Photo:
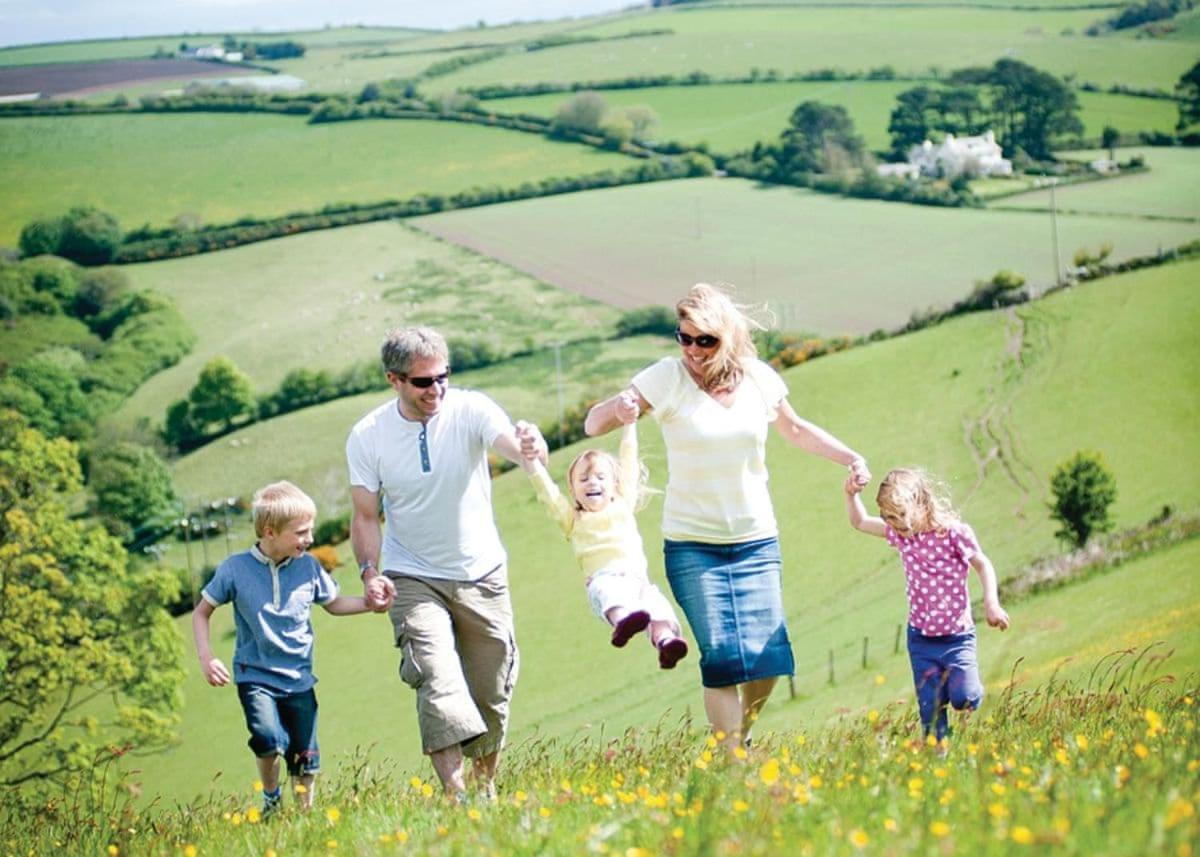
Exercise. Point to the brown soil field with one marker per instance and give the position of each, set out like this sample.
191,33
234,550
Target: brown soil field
79,77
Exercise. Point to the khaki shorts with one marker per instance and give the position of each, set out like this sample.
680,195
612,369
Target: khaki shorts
458,651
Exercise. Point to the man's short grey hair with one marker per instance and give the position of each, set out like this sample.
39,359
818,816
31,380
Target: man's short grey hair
405,345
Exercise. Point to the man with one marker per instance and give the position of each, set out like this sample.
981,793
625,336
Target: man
440,553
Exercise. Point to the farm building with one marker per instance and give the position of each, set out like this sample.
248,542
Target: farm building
975,156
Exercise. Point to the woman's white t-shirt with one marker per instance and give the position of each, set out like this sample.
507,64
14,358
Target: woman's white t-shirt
716,454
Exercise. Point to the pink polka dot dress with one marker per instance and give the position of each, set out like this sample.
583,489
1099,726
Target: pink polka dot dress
935,569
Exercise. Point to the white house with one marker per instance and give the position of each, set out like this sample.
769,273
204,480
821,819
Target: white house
975,156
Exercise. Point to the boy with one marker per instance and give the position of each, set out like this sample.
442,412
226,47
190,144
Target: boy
273,586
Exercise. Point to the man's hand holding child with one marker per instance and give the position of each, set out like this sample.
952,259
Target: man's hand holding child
627,409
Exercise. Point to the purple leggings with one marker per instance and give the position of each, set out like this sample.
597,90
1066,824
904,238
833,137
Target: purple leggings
945,670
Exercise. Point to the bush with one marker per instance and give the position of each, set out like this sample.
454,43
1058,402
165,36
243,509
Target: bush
89,236
647,319
1083,489
332,531
327,556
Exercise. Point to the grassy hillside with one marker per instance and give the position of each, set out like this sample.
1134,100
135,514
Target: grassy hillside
727,41
729,118
323,300
825,263
157,167
991,402
1168,190
307,446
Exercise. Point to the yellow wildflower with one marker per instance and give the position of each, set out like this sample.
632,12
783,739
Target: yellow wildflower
939,829
769,773
872,716
401,836
859,839
189,850
253,816
638,852
235,819
415,782
1081,742
677,833
333,814
1179,810
300,789
331,844
258,785
426,790
740,806
113,851
544,812
890,825
998,811
1022,835
879,679
1139,750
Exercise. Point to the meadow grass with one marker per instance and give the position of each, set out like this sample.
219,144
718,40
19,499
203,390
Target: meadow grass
733,117
990,402
1167,190
324,300
734,41
152,168
825,263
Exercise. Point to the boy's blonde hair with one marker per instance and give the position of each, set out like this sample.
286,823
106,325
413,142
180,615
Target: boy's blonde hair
641,490
912,501
714,312
277,505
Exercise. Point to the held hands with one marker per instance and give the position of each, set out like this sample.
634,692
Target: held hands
851,486
626,408
533,445
215,672
997,617
859,472
379,592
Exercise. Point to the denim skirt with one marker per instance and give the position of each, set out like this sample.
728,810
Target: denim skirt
733,601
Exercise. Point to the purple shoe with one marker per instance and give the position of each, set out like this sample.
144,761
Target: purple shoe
671,651
634,623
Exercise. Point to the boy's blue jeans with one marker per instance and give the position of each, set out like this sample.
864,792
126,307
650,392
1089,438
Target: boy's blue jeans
283,724
945,670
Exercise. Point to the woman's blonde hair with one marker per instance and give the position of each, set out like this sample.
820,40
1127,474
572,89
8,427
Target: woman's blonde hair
714,312
277,505
912,501
641,491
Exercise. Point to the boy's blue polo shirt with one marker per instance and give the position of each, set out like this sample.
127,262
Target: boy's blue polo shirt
271,607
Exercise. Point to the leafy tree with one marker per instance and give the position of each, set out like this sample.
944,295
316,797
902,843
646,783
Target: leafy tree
1187,90
132,486
98,292
582,112
90,659
89,236
820,136
910,122
179,429
61,407
641,119
221,396
1108,139
1032,107
1083,489
40,237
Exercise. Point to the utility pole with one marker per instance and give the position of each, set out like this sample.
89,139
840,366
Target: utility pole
557,346
1054,232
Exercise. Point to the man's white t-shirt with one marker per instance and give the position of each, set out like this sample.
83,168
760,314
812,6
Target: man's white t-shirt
435,483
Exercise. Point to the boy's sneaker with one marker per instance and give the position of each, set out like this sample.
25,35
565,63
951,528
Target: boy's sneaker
271,802
634,623
671,651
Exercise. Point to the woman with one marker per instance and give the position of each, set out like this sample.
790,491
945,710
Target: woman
714,404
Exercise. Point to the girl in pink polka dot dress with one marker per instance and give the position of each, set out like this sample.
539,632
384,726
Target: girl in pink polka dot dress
937,548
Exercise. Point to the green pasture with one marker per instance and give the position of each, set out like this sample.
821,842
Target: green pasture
990,402
791,40
323,300
732,117
825,263
220,167
137,48
1168,190
307,446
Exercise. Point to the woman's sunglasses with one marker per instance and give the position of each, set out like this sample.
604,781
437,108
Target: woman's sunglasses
424,382
704,340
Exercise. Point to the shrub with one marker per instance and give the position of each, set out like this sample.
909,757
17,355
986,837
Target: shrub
332,531
647,319
1083,489
327,556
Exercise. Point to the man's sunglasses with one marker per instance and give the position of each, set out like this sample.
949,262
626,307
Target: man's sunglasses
704,340
424,382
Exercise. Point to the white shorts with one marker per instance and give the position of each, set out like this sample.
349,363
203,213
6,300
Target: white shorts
609,588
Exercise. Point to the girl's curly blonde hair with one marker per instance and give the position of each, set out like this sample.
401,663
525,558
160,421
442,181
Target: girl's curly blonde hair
714,312
642,489
911,501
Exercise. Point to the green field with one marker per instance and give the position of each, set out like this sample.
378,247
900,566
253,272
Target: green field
826,263
790,40
1168,190
324,300
107,49
156,167
307,446
728,118
1060,396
